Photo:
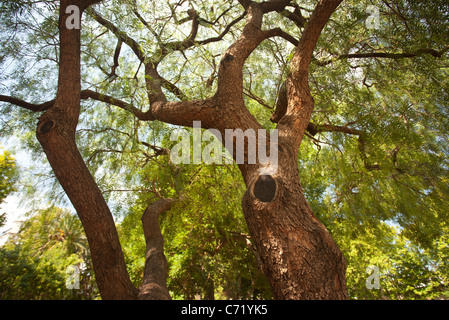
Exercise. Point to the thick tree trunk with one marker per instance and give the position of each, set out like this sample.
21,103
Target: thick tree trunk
69,167
299,257
56,134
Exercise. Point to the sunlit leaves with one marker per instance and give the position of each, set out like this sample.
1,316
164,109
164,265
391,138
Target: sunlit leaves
35,261
8,174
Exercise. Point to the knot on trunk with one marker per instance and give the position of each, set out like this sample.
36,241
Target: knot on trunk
265,188
46,126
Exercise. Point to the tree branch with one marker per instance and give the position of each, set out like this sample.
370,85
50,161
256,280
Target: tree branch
281,104
225,31
56,132
278,32
85,94
116,59
144,22
119,34
274,5
154,286
300,102
388,55
230,76
181,113
295,16
29,106
153,79
187,42
312,31
83,4
314,129
144,116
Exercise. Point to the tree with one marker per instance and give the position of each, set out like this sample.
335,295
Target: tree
346,63
38,261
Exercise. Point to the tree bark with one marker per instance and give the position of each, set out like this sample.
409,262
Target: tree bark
154,285
299,257
56,134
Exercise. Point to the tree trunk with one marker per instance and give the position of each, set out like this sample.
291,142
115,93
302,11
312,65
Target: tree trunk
56,133
299,257
154,285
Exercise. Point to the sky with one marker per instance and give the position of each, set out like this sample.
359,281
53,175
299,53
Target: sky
15,214
14,204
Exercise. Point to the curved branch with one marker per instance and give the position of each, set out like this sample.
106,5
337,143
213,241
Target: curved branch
135,47
154,81
312,31
144,116
184,113
187,42
278,32
296,16
83,4
225,31
154,286
181,113
230,73
85,94
173,89
26,105
388,55
116,59
294,123
361,141
274,5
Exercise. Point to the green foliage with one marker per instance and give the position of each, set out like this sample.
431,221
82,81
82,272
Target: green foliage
36,261
24,277
207,242
8,176
383,194
407,271
207,245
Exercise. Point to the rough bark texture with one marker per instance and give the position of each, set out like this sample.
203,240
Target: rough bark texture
56,133
299,257
154,286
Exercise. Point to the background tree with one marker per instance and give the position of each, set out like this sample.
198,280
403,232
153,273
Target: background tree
374,152
36,261
8,176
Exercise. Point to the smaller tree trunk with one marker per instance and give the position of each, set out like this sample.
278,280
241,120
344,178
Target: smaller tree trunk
154,286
